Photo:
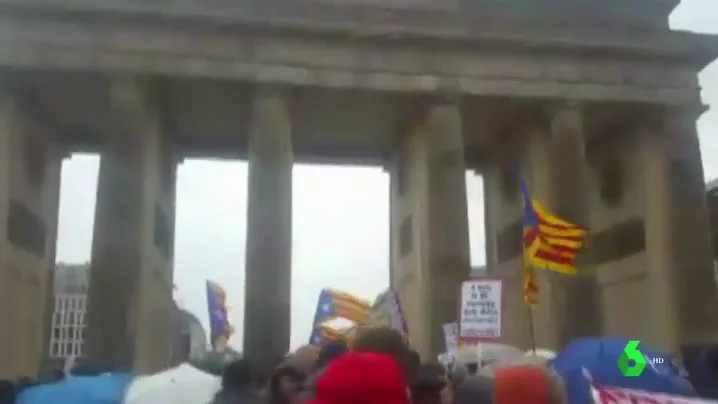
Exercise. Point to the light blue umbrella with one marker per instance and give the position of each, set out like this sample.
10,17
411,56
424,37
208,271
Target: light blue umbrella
599,356
108,388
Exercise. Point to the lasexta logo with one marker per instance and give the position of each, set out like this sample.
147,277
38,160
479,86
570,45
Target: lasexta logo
632,362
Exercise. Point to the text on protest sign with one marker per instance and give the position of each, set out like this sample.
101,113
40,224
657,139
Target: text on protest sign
480,309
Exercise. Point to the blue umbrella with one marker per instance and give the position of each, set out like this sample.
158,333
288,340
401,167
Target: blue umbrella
108,388
599,356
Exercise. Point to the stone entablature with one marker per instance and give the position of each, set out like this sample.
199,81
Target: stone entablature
52,44
495,57
420,15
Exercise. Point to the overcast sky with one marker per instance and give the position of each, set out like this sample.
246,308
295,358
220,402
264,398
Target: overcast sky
341,217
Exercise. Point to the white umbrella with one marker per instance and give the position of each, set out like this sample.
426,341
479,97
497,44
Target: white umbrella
183,384
489,353
490,370
546,354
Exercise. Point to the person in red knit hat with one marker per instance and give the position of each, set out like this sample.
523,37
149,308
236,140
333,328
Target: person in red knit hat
529,384
362,378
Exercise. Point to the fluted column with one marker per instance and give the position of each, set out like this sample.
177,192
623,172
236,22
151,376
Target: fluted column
570,201
678,238
489,222
430,231
267,307
448,256
133,233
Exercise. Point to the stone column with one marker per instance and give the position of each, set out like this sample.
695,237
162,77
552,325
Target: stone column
489,222
52,212
392,230
682,284
570,201
30,164
504,210
133,234
267,307
8,123
448,260
431,232
407,187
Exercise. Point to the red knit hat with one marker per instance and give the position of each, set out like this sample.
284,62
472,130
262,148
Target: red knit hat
362,378
521,385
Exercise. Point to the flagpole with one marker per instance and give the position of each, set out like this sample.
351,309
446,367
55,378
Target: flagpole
529,306
531,329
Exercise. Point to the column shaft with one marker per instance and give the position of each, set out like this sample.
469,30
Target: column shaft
430,231
568,173
489,223
131,260
504,211
52,209
448,259
8,127
267,307
393,202
679,236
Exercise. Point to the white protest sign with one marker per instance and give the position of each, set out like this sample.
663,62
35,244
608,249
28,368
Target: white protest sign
480,310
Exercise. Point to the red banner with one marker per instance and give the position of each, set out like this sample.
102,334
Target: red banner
614,395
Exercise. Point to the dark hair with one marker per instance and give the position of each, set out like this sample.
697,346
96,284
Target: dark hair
390,342
7,392
472,368
274,396
474,390
237,375
381,340
330,351
429,381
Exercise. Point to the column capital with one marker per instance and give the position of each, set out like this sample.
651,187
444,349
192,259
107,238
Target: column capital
567,119
389,161
680,116
270,134
128,95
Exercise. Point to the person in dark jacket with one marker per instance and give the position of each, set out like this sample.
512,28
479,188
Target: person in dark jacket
528,384
430,382
474,390
328,353
285,385
238,385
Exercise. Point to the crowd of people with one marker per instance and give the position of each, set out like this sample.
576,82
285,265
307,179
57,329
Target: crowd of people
381,368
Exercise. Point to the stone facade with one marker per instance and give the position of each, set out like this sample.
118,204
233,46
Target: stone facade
30,162
599,122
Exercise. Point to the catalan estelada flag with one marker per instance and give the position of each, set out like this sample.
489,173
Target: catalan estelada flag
220,327
549,242
333,304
